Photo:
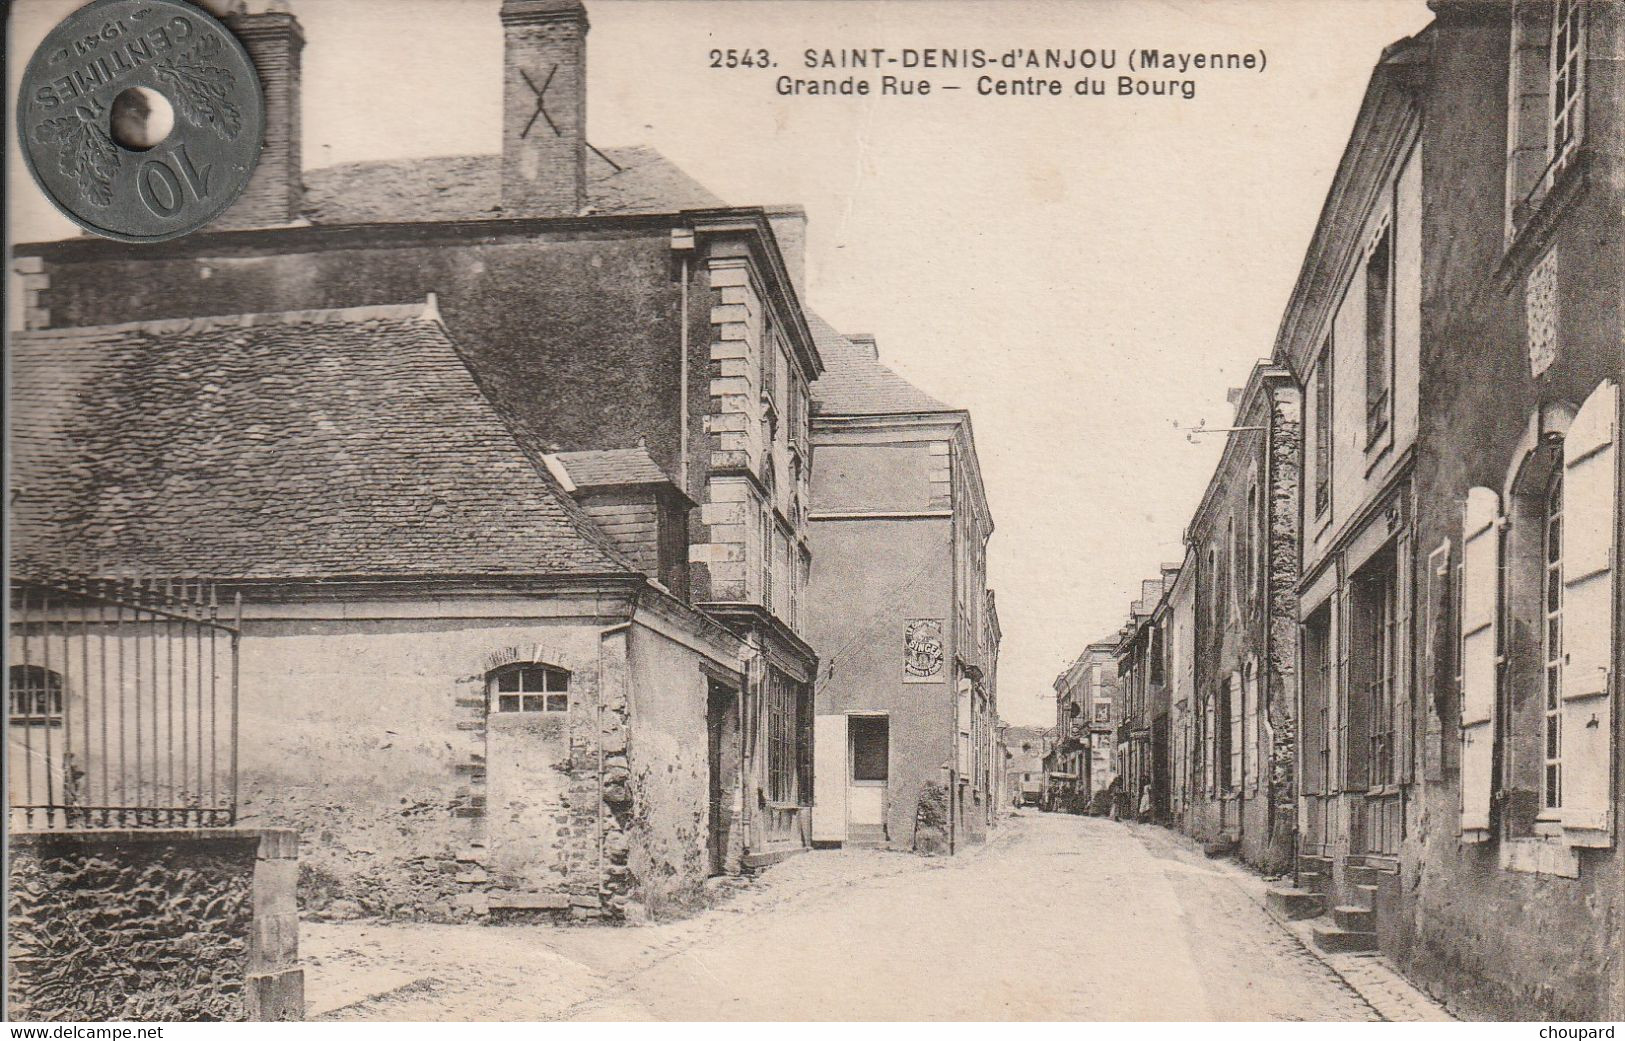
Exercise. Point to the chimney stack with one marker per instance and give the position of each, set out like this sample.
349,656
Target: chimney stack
789,224
867,341
275,193
544,108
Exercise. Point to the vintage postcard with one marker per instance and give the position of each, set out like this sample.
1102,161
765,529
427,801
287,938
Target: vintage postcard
556,510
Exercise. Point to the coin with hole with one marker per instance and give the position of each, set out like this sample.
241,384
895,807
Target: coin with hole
141,120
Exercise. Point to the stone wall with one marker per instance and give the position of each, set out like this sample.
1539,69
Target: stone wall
154,925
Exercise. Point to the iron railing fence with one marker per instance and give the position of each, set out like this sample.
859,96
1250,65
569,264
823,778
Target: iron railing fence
122,705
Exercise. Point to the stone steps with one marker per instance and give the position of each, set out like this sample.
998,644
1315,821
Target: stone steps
1294,904
1334,939
865,835
1355,919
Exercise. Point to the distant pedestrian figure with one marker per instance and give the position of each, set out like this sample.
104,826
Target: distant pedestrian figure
1145,803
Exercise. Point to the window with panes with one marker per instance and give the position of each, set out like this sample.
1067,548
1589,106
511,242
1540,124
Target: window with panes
529,688
1379,335
1373,674
35,695
1552,643
782,721
1567,75
1225,735
1317,736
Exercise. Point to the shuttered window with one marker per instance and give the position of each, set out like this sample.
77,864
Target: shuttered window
1479,584
1590,510
1438,659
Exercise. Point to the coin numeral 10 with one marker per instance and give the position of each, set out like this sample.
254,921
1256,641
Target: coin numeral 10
160,189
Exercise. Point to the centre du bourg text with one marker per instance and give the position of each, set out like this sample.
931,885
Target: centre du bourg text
1015,72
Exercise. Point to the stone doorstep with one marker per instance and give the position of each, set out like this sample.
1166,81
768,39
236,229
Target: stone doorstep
1355,919
1333,939
1294,904
1364,897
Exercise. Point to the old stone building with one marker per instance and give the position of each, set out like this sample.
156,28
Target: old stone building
1352,335
645,351
1517,620
458,688
1457,332
901,612
1242,700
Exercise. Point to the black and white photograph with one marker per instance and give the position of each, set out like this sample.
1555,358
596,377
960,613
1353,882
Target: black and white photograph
784,511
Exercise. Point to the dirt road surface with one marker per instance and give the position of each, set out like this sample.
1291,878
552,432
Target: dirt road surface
1058,918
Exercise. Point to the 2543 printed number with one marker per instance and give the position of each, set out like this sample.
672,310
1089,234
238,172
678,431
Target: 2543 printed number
742,58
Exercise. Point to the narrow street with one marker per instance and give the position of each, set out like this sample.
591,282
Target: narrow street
1059,918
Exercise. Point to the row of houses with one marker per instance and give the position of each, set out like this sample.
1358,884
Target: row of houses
580,560
1388,664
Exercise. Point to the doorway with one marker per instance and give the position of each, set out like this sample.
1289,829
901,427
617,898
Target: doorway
870,755
722,753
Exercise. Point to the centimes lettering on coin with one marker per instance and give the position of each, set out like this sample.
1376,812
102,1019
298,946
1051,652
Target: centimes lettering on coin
141,120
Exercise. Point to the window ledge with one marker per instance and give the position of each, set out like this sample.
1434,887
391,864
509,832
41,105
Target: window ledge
1539,857
1531,237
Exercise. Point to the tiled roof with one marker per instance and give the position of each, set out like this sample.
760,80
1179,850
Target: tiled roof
618,466
854,383
308,444
469,187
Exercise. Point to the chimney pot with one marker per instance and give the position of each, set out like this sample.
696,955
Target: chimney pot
544,108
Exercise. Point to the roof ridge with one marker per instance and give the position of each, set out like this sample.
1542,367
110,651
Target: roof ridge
427,310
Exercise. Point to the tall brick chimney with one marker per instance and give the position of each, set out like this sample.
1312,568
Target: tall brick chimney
274,40
544,108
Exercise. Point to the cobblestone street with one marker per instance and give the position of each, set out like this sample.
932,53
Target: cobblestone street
861,935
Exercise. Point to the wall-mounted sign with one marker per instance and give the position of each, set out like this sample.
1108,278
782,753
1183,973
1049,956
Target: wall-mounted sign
923,650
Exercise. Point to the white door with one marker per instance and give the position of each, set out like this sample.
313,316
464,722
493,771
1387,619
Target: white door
829,779
870,742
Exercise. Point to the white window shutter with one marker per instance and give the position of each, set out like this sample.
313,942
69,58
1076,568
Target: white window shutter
1480,582
1590,509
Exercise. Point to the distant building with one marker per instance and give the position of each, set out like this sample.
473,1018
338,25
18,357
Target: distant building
1085,713
906,696
1024,777
1142,737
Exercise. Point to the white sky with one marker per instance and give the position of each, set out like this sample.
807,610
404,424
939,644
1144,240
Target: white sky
1081,273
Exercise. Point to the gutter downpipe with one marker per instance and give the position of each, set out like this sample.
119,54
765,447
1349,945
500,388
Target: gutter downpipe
682,385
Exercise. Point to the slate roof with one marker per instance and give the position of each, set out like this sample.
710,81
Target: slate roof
854,383
469,187
618,466
312,444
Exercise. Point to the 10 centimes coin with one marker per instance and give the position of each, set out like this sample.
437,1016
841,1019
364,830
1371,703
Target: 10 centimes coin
141,120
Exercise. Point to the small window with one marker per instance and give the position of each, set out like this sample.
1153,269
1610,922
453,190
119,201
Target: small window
870,748
530,688
1323,430
1379,336
36,695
